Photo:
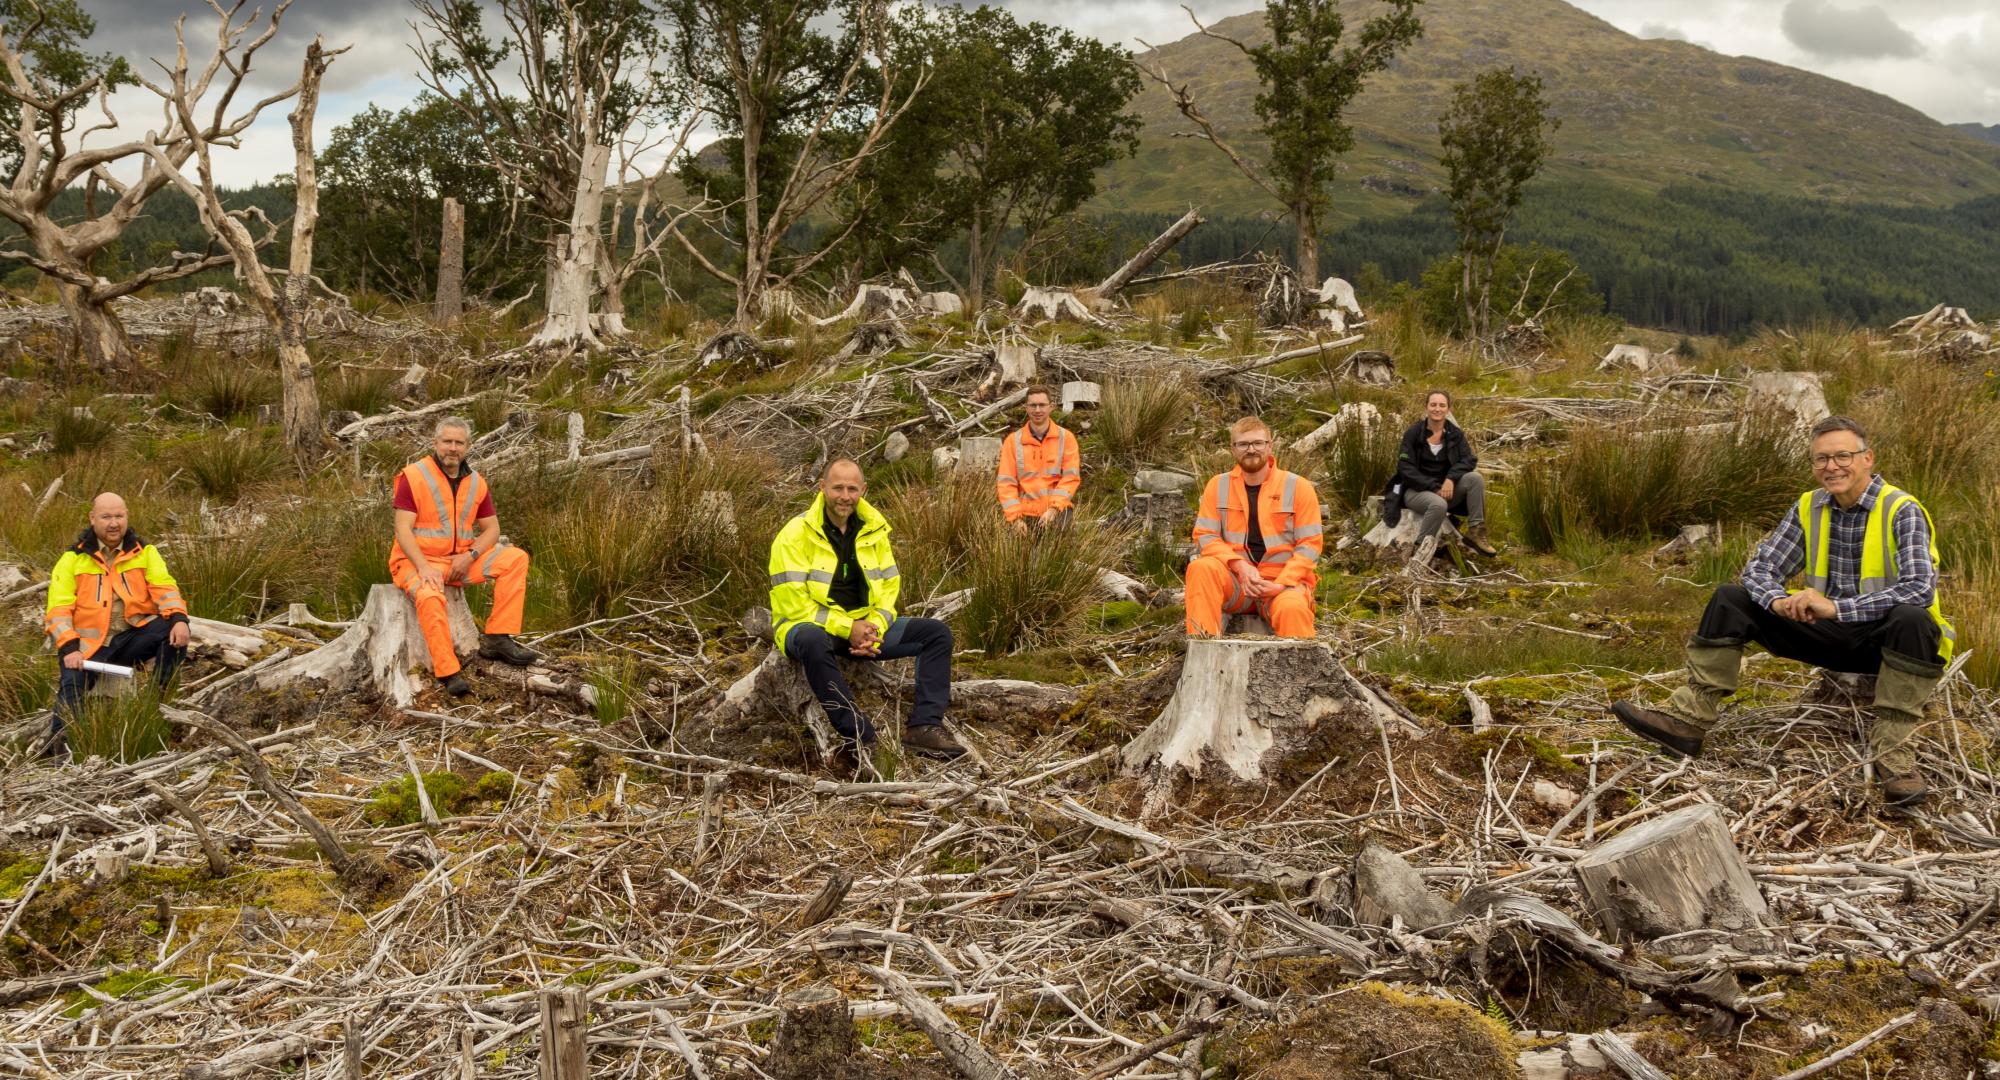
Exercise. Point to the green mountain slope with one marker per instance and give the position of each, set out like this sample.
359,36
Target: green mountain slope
1636,113
1983,132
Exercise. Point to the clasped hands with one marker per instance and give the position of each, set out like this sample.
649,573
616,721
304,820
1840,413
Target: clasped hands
865,639
1255,586
428,575
1806,606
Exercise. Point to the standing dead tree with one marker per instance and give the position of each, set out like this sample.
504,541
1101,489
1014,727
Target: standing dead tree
653,222
285,308
559,91
47,84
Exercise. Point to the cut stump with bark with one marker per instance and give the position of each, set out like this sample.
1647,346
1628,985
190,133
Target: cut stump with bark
1041,302
381,649
1670,875
815,1035
1245,707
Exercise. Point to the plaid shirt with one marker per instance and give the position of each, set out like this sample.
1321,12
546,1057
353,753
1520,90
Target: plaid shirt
1783,553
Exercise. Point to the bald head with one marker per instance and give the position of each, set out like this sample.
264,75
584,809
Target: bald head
108,519
843,486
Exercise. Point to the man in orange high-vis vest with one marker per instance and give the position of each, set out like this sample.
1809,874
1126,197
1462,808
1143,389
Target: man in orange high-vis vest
1039,466
111,600
1258,560
448,534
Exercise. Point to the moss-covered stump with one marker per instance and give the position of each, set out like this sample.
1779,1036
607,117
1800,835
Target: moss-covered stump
1375,1031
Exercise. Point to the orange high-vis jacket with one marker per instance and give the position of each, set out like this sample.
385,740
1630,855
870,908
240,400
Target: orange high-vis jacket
84,583
445,517
1037,475
1287,515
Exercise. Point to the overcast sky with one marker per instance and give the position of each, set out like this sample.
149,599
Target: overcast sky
1941,56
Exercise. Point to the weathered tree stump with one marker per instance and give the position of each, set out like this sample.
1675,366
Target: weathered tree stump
1405,529
1670,875
1244,707
1041,302
1386,887
1636,358
776,689
815,1035
1372,366
380,650
1795,393
1078,395
979,452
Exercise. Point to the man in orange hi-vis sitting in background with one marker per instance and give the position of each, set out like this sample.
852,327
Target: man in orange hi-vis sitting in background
1260,561
1039,467
448,534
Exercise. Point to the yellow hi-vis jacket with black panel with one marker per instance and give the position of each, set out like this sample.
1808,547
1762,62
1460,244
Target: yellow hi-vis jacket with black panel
84,584
802,566
1878,550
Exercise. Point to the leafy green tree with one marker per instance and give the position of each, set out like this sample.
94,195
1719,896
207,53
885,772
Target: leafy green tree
1309,78
1496,135
800,109
1010,131
383,180
1531,278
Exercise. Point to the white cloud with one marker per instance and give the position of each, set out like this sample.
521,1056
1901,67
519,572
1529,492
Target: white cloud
1819,27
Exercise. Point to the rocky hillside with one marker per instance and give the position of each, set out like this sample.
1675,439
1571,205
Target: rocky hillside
1635,112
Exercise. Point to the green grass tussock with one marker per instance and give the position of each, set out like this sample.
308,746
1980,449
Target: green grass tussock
224,464
1141,419
1035,589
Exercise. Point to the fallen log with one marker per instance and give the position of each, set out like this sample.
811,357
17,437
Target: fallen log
1100,296
1280,358
356,429
962,1051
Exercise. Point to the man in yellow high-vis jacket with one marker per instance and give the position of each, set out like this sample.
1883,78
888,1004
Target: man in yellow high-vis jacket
1869,606
111,600
834,585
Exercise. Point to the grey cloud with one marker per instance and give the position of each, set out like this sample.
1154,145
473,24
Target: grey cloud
1867,33
1657,31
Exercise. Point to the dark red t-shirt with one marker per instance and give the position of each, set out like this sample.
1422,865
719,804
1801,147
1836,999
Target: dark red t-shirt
406,501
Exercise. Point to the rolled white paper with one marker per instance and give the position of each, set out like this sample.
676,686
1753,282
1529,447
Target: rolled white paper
106,669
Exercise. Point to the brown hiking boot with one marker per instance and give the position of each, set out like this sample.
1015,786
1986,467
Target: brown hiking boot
1475,538
932,741
1660,728
1904,790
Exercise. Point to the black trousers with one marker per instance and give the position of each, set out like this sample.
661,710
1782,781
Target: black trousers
129,647
929,640
1906,638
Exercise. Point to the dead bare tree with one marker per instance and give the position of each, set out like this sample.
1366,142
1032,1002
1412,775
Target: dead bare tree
750,61
48,100
561,90
653,221
285,308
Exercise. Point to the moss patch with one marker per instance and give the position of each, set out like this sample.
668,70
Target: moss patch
1373,1030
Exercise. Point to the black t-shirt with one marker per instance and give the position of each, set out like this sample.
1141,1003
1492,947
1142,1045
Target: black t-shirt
849,588
1255,542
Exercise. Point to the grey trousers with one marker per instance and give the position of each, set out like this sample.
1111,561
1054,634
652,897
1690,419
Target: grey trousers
1468,497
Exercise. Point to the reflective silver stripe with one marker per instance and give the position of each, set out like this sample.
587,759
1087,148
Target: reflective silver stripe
1815,534
1886,506
1229,537
1009,504
1291,487
438,504
1020,452
1306,553
471,485
823,577
882,574
1210,524
1303,531
1222,497
486,564
90,633
788,577
63,622
821,615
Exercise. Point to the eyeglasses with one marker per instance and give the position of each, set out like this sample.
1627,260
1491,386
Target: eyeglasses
1841,458
1257,445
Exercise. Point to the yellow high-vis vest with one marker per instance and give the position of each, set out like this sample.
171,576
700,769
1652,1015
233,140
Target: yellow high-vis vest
802,567
1879,565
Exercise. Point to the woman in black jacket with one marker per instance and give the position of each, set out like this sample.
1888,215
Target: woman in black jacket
1436,470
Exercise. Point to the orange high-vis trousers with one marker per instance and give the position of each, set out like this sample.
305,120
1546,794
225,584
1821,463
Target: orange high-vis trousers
505,566
1212,592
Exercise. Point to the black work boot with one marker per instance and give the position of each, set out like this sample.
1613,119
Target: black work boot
455,685
1663,729
504,648
932,741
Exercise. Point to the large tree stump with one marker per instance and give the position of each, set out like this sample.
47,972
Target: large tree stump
1048,303
380,649
1797,393
1670,875
776,689
980,452
1244,707
815,1035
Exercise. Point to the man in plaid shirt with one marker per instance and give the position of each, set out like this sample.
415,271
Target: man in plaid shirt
1869,606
